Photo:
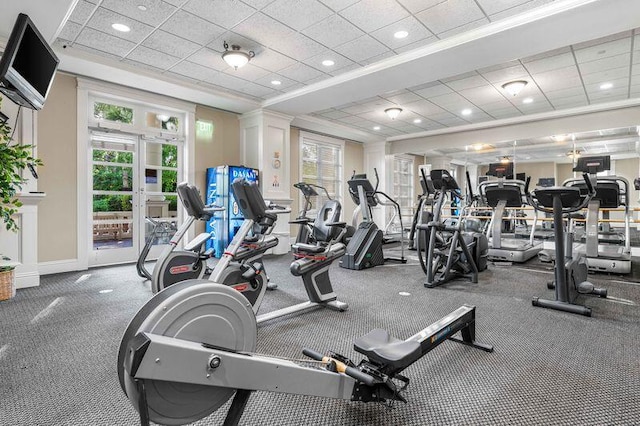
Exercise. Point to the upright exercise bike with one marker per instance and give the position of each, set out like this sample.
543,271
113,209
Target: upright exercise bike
570,271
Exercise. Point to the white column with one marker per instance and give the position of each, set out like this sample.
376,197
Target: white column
265,145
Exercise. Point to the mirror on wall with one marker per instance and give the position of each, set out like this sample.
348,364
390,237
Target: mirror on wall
549,161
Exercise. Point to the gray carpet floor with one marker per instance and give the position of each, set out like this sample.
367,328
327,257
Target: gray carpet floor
59,341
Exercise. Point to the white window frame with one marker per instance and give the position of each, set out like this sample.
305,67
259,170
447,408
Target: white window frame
396,186
322,140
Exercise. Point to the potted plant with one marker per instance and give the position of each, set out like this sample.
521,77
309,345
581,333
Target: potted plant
13,159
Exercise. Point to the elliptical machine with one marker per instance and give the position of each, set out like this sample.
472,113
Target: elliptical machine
449,253
570,271
421,215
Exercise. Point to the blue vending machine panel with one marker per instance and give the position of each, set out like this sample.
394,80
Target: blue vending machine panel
219,191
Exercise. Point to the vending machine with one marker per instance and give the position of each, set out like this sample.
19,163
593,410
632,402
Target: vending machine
219,192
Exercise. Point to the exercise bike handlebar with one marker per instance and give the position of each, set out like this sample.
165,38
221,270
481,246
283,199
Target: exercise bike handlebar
341,367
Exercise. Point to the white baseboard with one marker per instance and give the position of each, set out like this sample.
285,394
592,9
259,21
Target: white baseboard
59,266
29,279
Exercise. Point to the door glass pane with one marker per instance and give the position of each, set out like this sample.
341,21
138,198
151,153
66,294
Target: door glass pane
112,178
112,221
169,180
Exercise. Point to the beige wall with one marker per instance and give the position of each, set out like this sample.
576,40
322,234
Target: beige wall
222,148
629,169
563,172
57,147
536,171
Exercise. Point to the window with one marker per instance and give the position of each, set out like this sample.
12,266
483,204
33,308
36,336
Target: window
403,186
111,112
322,165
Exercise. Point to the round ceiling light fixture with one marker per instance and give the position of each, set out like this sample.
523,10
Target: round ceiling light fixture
235,57
514,87
393,112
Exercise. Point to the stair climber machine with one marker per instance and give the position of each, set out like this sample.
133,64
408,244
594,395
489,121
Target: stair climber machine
500,195
444,250
570,271
175,265
191,347
364,249
612,192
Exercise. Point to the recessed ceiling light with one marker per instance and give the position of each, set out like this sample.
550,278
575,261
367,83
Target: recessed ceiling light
121,27
276,82
527,100
142,7
417,120
376,127
328,63
606,86
401,34
466,111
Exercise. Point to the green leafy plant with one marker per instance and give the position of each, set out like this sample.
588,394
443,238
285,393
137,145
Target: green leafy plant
5,268
13,159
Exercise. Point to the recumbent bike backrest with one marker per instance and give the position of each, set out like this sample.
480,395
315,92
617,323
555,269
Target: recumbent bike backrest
251,203
328,213
192,202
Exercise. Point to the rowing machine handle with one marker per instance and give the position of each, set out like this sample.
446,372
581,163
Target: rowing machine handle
587,180
341,367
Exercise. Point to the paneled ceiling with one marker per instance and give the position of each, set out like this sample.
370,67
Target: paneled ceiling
456,56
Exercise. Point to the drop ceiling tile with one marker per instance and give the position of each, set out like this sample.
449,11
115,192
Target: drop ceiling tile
491,7
335,114
104,42
300,72
152,57
595,92
227,81
416,44
257,4
333,31
449,15
416,31
181,78
192,27
249,72
298,14
478,117
142,66
410,128
70,31
523,7
549,63
81,12
562,78
431,89
351,119
225,13
157,10
505,113
285,83
604,76
378,58
466,83
498,106
423,108
498,67
605,64
415,6
610,96
554,95
451,101
369,15
170,44
345,69
258,90
618,84
452,121
464,28
570,101
193,70
339,61
635,79
92,50
359,108
103,18
482,95
536,107
172,2
338,5
402,98
602,40
516,72
208,58
271,60
362,48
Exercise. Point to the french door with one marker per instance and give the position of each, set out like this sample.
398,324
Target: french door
133,195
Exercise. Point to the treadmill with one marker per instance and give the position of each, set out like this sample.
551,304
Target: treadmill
501,195
611,193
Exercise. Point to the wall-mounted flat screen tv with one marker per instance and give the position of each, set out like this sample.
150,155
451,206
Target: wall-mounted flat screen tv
28,65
